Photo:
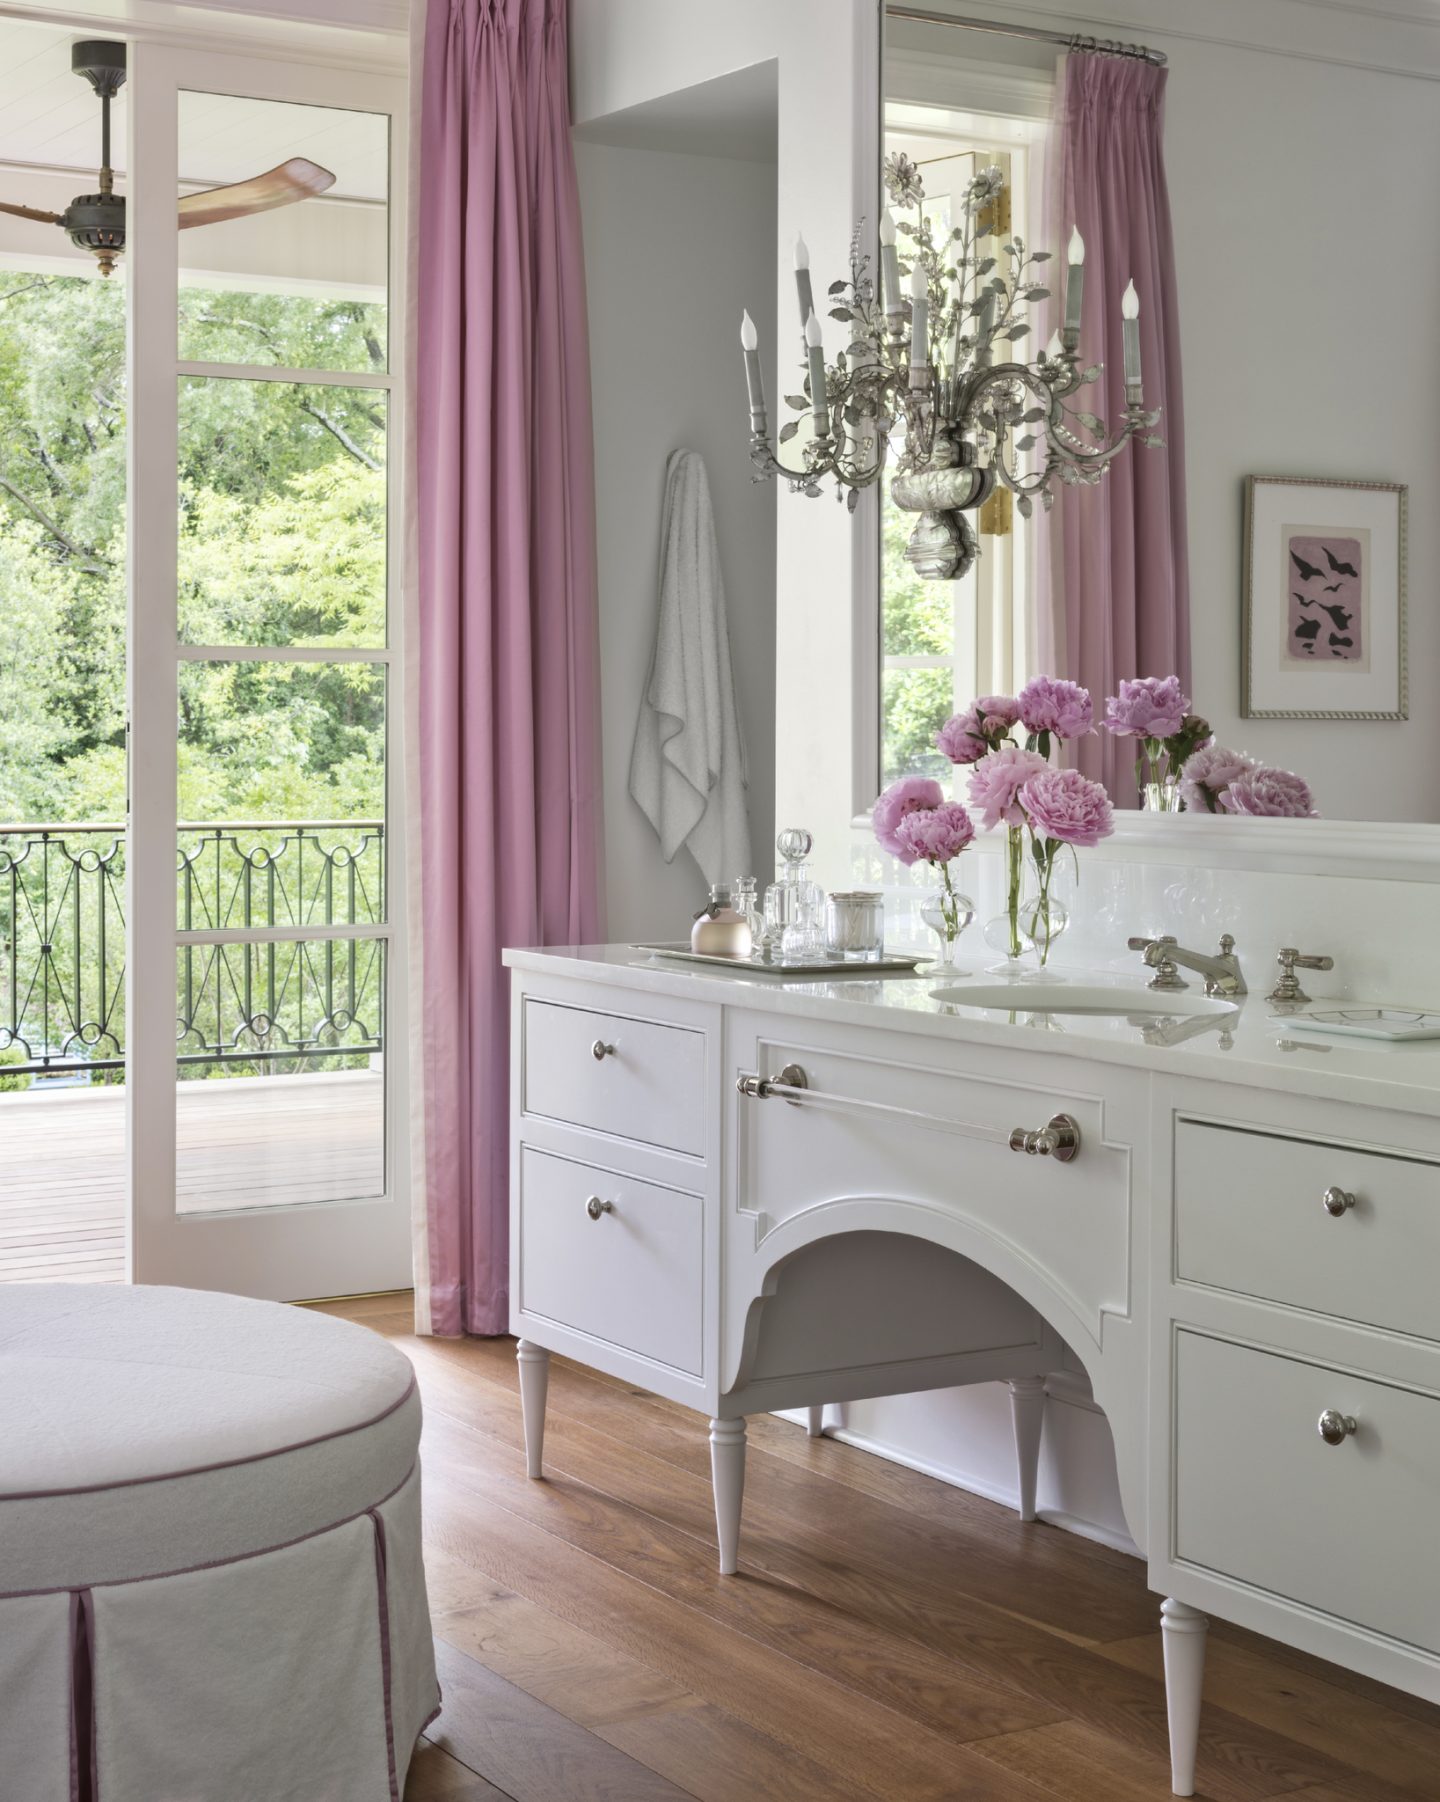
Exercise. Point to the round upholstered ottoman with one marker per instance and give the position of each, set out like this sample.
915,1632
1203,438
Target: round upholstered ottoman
210,1578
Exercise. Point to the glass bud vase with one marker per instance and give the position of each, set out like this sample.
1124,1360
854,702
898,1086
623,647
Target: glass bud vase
1042,920
947,913
1006,932
1162,797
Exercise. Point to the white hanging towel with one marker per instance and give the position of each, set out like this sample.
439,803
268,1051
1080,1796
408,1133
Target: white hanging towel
687,771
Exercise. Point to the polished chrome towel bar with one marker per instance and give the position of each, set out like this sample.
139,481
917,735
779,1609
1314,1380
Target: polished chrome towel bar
1058,1138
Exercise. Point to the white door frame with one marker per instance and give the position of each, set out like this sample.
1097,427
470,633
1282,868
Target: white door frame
281,1252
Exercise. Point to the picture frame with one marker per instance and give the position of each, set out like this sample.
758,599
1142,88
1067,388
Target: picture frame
1324,602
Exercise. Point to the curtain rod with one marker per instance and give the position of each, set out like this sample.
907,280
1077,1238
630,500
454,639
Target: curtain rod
1075,41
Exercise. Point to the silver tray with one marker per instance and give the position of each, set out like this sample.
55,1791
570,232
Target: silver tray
891,963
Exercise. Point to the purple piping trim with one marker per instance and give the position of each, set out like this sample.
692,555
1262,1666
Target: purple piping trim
84,1763
197,1470
186,1570
382,1596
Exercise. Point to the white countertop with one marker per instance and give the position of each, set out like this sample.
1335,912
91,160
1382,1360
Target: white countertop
1246,1047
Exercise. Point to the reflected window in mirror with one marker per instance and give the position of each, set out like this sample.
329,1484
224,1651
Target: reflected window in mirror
942,643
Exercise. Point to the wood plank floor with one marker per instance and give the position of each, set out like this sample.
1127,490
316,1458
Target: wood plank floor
240,1142
888,1638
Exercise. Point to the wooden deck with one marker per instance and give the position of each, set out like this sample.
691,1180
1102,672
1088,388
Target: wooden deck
241,1142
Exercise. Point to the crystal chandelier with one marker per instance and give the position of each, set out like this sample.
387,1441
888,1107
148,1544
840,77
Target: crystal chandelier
928,363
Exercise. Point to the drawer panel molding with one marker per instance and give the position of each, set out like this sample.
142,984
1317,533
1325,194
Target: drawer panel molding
628,1077
1323,1227
1314,1484
610,1256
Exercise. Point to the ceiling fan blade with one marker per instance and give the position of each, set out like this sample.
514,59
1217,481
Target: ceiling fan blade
29,212
296,179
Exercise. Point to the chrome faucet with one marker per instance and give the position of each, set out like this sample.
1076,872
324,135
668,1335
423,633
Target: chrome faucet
1223,979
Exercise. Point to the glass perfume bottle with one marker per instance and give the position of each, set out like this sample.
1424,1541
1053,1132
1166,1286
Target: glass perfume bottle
719,929
746,903
795,904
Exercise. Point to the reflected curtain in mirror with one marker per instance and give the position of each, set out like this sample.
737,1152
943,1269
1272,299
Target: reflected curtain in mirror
1112,574
502,654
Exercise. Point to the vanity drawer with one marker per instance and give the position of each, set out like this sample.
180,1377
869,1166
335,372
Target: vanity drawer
936,1140
1348,1529
1251,1217
638,1079
607,1255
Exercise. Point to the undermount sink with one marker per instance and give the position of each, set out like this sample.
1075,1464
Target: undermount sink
1081,998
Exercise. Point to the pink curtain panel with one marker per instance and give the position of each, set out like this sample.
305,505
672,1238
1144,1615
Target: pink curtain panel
1113,581
509,767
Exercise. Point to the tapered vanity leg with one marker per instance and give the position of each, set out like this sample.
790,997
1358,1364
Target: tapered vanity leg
815,1421
727,1473
1183,1630
534,1363
1027,1411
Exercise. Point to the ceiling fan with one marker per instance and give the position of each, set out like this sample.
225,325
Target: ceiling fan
96,222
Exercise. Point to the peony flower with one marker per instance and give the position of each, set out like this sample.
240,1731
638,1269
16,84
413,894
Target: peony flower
1064,805
966,737
1270,794
995,783
1148,707
935,834
1205,776
1051,704
909,795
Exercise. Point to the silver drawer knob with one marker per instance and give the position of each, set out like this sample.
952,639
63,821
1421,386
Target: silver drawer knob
600,1051
595,1207
1337,1201
1335,1428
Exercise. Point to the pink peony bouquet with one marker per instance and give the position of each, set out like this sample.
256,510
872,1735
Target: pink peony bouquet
1156,711
914,822
1014,785
1269,794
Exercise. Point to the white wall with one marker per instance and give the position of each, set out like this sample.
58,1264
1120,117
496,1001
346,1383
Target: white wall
675,247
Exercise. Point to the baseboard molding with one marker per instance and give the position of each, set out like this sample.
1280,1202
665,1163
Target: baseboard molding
1005,1494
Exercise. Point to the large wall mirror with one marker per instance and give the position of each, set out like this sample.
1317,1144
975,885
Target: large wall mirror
1301,618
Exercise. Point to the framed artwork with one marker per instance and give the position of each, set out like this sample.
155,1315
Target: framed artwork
1324,623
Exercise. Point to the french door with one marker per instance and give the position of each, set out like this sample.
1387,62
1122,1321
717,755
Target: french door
266,1015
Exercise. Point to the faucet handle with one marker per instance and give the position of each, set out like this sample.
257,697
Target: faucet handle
1287,991
1167,975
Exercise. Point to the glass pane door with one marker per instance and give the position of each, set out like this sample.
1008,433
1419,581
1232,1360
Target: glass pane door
267,1031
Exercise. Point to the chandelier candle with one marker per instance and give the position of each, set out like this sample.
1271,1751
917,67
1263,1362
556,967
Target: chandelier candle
815,345
890,273
919,328
1074,283
802,280
1130,320
750,341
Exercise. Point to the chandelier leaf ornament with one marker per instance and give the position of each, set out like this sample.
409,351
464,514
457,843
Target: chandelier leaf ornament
921,361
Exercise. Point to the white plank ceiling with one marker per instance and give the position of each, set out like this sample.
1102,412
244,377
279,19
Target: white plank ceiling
50,119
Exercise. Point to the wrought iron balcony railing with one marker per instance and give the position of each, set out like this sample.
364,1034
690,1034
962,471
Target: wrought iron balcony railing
274,1005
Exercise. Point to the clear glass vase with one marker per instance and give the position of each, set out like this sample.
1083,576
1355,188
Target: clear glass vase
947,913
1005,933
1162,797
1034,918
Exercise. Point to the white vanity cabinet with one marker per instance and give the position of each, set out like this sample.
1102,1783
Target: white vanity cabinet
747,1196
1296,1287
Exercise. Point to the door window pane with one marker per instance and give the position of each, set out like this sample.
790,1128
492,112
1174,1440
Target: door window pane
282,795
300,284
281,1092
282,513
